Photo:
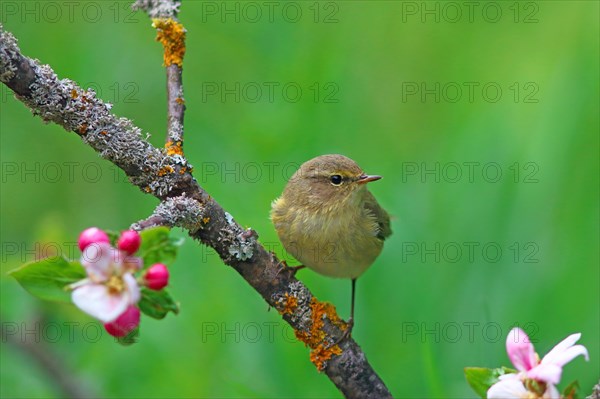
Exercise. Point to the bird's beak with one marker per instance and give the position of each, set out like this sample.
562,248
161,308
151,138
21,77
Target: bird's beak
362,179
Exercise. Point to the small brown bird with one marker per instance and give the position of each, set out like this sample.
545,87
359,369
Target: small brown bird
328,220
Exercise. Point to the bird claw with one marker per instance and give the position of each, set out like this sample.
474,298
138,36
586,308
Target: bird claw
346,334
292,270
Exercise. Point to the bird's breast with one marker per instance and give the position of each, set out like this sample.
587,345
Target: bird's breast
332,241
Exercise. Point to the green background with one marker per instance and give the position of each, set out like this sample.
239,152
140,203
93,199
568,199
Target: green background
424,310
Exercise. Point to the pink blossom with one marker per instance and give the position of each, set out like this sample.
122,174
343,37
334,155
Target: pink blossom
157,277
110,288
125,323
548,371
90,236
129,241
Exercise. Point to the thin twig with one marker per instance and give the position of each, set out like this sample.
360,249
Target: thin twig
171,33
50,362
167,177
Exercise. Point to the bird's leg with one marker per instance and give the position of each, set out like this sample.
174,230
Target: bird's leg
350,324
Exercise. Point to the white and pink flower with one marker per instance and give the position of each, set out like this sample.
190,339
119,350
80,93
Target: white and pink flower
110,287
535,379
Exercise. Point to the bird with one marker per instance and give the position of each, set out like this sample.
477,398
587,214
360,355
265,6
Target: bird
330,222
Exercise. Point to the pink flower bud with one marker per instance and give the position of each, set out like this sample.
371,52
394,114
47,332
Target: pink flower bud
124,324
129,241
91,236
157,277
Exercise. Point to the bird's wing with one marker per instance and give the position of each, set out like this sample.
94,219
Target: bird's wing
382,217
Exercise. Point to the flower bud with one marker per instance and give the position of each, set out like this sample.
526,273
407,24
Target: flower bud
157,277
124,324
91,236
129,241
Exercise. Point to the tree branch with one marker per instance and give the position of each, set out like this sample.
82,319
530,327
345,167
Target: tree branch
184,203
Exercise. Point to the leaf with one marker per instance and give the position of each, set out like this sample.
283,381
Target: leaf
113,237
157,304
481,378
48,278
570,392
131,338
158,246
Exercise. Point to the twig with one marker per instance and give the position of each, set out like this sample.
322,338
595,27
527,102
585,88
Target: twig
49,362
171,34
167,177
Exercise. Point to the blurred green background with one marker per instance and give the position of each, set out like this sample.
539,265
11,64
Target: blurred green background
494,192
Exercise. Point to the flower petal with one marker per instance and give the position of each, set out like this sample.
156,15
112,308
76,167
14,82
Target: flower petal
551,392
132,264
564,351
507,388
549,373
101,261
95,300
133,288
520,350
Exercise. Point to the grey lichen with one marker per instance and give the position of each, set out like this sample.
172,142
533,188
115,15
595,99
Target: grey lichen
175,130
242,247
182,212
7,54
302,312
158,8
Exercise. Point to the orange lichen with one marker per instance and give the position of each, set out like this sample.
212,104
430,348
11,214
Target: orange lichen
104,132
179,100
172,36
182,170
83,129
73,93
147,189
205,220
322,353
289,304
165,169
174,148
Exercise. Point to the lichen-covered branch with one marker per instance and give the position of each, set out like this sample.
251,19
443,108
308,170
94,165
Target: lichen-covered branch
168,177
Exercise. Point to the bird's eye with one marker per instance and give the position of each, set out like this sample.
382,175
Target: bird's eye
336,180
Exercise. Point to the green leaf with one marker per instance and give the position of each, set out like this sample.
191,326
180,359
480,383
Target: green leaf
48,278
131,338
570,392
113,237
158,246
481,378
157,304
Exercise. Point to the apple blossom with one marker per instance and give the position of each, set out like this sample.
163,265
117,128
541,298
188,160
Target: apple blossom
535,379
129,241
157,277
110,287
125,323
90,236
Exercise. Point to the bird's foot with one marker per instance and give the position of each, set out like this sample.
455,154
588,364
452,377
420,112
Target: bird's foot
292,270
347,332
